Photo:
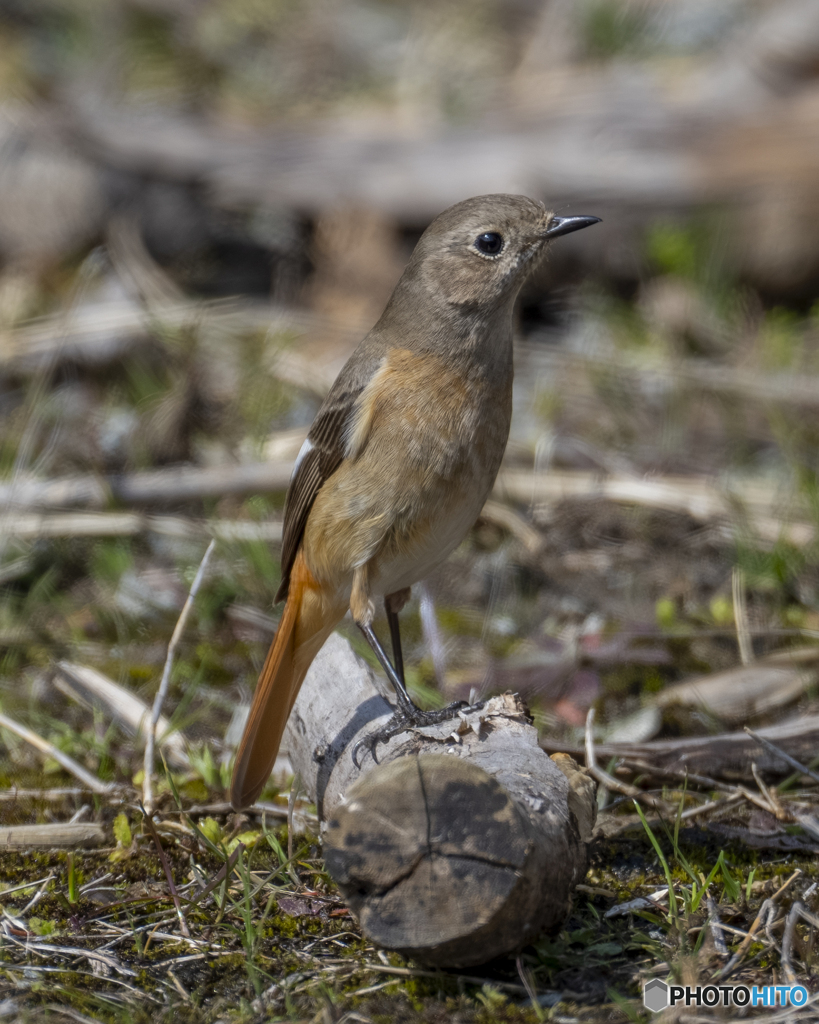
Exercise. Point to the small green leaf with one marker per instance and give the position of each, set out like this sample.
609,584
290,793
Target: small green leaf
722,610
248,838
666,612
212,830
122,830
731,884
41,927
605,948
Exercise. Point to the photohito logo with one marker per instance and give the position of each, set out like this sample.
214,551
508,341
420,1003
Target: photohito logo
657,995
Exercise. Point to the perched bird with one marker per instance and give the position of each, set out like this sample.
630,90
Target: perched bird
401,456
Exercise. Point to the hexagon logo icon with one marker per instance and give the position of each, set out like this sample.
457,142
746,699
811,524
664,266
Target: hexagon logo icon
655,995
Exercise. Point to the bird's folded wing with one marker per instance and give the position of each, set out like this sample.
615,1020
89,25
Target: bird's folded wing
320,457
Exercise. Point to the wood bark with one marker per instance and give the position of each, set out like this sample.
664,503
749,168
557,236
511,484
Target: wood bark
464,842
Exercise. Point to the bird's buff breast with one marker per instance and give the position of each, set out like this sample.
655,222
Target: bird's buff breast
423,451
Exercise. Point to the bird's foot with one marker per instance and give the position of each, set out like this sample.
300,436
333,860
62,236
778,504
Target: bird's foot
404,719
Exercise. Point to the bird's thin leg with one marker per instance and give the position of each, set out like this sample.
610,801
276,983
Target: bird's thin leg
362,610
395,633
407,713
405,701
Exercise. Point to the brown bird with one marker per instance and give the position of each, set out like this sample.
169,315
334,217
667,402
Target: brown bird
401,456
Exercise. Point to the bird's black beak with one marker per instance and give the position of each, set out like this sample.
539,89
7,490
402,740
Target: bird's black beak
565,225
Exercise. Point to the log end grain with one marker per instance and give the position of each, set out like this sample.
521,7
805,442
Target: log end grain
438,862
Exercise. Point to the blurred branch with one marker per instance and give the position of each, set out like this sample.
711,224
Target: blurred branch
183,483
697,496
21,837
730,753
126,524
648,374
747,502
91,688
49,750
101,332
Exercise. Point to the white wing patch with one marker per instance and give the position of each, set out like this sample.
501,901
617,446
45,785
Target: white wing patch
360,420
305,448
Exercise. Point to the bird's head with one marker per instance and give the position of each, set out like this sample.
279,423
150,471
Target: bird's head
479,252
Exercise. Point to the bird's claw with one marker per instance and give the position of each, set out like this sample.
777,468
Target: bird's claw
395,725
403,720
366,743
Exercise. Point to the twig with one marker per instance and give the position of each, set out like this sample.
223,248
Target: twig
746,651
707,753
45,969
147,791
715,925
763,789
86,778
66,1011
177,984
780,753
696,496
504,516
183,924
797,911
91,688
128,933
41,794
676,773
767,908
35,899
148,487
414,972
744,935
222,873
609,781
41,948
710,806
295,786
26,885
365,992
528,983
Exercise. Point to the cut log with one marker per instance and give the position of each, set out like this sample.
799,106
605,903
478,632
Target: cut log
464,842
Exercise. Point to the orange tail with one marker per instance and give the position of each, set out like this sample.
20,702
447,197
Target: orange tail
307,621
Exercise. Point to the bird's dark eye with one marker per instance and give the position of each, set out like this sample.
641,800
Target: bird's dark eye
489,243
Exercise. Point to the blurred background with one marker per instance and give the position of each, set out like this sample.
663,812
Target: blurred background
204,205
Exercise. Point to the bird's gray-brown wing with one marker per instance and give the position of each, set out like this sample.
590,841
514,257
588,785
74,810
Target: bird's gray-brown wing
319,460
323,455
325,452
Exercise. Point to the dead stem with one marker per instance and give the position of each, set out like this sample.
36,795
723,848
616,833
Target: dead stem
783,756
608,781
716,926
746,651
797,911
183,924
147,786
